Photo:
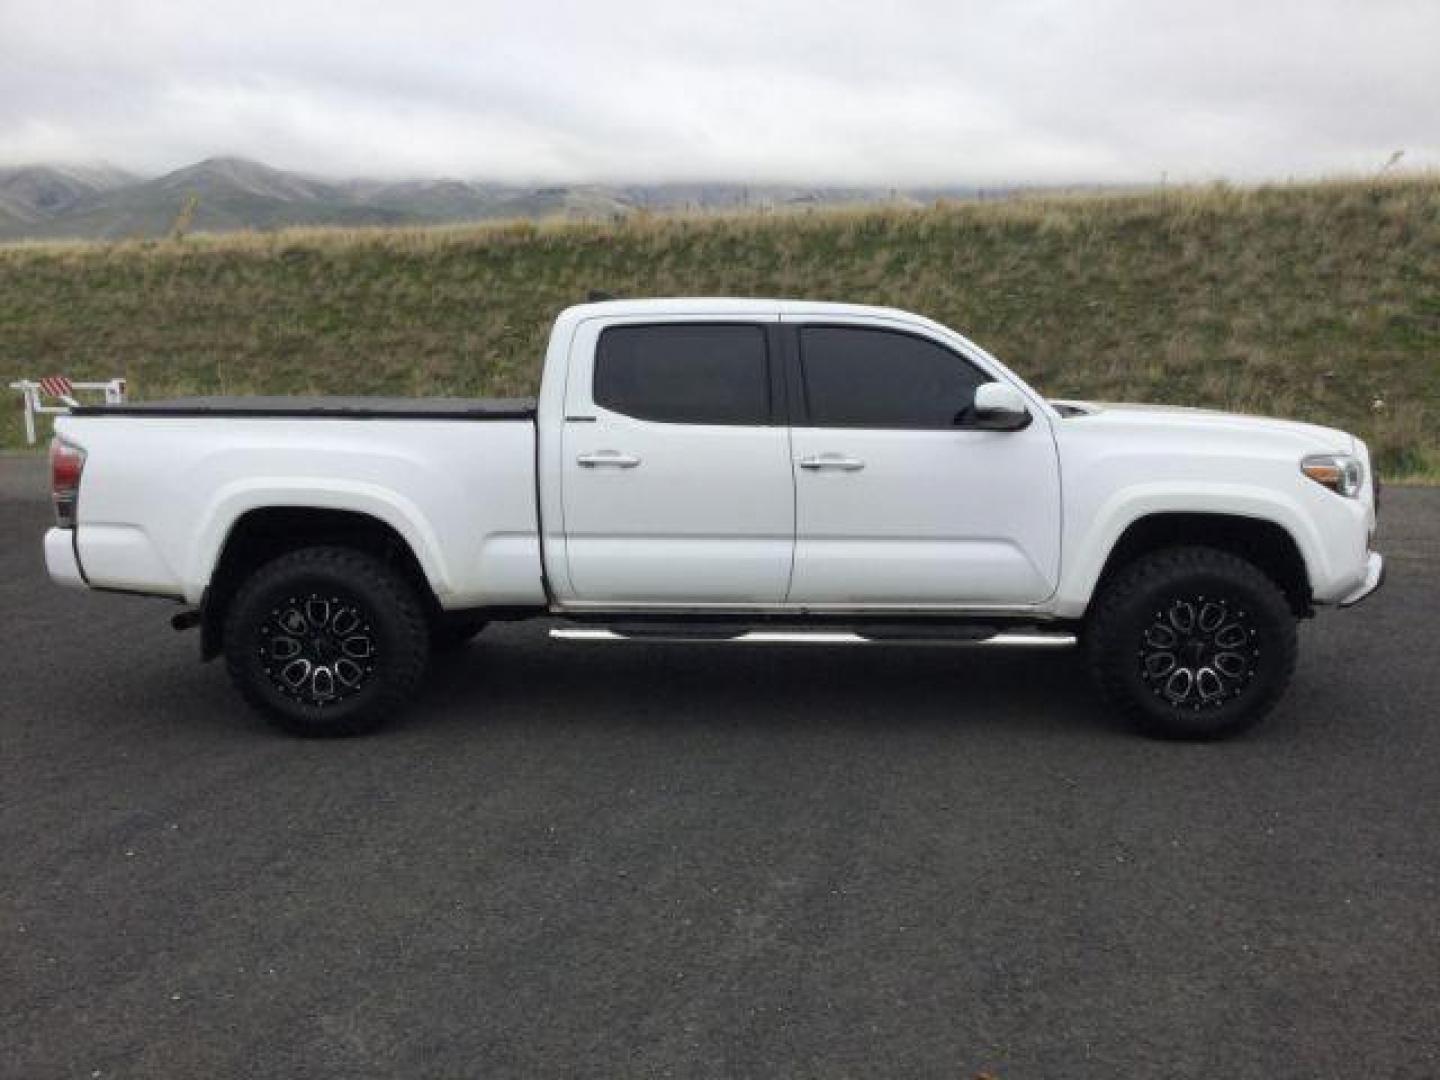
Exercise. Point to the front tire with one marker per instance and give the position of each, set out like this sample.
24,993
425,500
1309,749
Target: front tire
1192,643
326,641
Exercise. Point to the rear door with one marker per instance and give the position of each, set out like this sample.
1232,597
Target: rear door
675,469
900,500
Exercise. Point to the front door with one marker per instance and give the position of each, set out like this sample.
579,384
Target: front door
675,473
900,500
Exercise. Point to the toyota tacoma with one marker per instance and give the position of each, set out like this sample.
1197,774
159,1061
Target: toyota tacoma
724,471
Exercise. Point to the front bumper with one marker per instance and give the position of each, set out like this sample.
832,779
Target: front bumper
1374,578
60,560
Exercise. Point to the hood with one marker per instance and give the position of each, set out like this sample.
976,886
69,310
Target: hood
1126,414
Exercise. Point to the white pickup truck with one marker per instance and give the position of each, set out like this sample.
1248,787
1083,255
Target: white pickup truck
715,470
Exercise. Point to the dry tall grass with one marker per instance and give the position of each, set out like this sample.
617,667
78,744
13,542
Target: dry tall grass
1319,301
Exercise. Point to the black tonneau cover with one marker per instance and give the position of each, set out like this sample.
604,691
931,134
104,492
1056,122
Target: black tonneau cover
339,408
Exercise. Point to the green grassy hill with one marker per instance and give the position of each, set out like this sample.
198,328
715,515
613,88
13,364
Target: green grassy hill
1317,301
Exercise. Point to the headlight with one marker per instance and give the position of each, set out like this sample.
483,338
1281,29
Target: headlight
1341,473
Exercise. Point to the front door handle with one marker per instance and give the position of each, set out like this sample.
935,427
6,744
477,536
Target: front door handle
832,461
613,458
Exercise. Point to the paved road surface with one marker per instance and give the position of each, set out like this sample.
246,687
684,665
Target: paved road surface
681,861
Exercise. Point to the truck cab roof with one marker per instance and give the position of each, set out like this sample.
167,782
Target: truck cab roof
730,306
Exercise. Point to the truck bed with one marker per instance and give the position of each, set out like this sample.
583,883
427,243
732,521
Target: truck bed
348,408
166,482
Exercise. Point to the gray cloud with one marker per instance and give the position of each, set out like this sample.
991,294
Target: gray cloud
905,92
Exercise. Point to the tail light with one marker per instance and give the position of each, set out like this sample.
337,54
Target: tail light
67,462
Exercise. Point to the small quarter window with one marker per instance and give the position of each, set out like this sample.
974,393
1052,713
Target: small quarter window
685,373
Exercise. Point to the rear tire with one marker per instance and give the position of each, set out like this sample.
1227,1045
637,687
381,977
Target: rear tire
1192,643
326,641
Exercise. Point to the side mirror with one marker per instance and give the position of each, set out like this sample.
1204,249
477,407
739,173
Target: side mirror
999,407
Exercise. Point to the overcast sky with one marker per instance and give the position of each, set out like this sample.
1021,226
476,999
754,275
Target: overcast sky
910,92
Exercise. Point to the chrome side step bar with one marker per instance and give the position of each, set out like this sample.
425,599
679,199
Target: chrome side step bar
602,635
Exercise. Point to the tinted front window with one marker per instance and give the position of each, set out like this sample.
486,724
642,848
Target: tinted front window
685,373
880,379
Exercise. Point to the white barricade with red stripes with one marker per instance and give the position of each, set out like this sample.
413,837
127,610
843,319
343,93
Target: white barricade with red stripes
63,390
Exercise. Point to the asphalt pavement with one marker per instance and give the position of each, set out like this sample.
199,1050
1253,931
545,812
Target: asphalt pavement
680,860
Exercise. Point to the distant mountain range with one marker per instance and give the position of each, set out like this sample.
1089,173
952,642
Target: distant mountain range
225,194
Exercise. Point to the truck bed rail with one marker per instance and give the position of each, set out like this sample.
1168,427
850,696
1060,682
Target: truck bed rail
346,408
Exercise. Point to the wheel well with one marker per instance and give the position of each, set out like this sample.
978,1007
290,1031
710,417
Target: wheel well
1267,545
262,535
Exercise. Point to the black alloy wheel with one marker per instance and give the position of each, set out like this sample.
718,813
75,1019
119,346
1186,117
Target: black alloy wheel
327,641
1191,642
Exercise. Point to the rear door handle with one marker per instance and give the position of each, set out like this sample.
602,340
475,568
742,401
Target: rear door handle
832,461
613,458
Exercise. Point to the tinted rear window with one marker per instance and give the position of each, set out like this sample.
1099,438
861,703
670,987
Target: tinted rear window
859,377
685,373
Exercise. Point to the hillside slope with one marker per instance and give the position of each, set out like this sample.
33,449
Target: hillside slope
1315,301
32,193
230,194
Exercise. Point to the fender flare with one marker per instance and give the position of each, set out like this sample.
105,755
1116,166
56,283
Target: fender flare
1092,550
233,501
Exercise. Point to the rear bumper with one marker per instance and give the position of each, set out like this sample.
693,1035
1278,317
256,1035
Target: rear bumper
60,560
1374,578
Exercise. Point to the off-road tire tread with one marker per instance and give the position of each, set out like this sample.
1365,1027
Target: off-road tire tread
406,659
1106,652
